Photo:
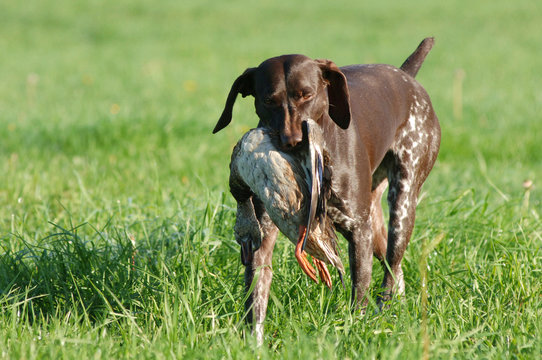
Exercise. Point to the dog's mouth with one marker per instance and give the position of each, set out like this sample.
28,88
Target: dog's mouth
300,146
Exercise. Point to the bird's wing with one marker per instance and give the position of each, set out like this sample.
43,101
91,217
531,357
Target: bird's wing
315,171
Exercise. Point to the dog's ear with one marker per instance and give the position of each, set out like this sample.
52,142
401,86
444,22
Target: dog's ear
243,85
339,98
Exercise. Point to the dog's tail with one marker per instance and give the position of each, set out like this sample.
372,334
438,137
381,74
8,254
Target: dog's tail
415,60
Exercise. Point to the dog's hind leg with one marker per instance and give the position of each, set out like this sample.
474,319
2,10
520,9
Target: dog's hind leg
402,206
414,154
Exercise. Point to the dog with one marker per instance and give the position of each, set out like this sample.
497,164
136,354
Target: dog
379,129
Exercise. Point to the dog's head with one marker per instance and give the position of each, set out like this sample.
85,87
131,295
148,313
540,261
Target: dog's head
288,90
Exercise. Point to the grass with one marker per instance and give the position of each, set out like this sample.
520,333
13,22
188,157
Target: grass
116,235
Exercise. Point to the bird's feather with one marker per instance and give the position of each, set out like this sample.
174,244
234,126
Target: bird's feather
289,184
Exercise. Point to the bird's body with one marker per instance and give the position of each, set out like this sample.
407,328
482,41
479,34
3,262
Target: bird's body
289,184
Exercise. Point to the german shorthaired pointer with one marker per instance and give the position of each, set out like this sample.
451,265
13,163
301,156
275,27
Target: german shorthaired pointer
379,128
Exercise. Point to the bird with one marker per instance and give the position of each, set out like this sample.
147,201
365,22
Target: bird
293,187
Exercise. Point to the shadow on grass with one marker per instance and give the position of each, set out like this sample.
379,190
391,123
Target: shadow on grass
99,273
65,270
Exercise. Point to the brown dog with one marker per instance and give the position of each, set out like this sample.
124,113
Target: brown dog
379,127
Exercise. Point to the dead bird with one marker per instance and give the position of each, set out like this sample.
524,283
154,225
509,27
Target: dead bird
293,187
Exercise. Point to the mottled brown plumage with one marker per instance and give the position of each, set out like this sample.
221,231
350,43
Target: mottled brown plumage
293,189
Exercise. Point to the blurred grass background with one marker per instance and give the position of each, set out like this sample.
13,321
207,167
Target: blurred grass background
115,218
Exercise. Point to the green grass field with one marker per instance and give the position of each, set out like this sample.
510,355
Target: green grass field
116,224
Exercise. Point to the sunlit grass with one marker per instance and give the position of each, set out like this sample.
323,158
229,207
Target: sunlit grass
116,226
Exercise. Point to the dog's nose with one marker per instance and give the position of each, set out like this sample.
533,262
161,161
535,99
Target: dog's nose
290,141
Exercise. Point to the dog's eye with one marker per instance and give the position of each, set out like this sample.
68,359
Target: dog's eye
307,96
268,101
302,95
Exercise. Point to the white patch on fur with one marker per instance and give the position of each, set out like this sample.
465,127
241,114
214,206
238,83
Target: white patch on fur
399,282
412,120
258,333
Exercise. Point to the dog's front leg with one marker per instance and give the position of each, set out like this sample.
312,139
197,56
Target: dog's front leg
261,271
